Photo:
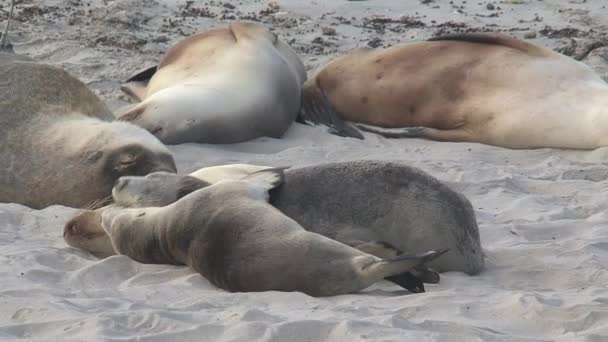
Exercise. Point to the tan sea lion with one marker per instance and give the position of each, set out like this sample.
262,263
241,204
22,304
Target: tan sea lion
485,88
58,145
382,208
225,85
231,235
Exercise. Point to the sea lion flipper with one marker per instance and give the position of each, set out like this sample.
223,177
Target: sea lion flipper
400,269
317,110
143,75
136,85
267,179
135,90
455,135
394,133
414,280
426,275
408,281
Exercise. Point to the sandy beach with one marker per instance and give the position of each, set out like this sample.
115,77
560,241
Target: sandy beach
543,214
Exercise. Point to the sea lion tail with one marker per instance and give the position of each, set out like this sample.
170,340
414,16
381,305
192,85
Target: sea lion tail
317,110
5,45
401,264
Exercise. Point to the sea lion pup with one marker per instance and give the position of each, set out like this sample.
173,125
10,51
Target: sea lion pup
383,208
485,88
230,234
222,86
58,145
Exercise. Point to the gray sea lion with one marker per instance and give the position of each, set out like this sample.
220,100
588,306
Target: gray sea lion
383,208
58,145
225,85
485,88
231,235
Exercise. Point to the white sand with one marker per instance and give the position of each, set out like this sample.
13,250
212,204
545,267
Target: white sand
542,214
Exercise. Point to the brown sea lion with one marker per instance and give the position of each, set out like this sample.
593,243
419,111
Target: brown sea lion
485,88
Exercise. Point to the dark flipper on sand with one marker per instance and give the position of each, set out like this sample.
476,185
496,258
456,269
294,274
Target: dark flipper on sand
135,86
317,110
408,281
412,281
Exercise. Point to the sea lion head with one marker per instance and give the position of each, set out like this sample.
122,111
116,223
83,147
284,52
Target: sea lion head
154,190
84,231
103,152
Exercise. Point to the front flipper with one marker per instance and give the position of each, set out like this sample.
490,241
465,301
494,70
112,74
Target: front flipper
408,281
454,135
317,110
136,86
395,133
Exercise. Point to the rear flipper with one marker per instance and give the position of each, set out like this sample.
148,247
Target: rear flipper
271,177
457,134
317,110
408,281
135,86
413,280
401,264
261,182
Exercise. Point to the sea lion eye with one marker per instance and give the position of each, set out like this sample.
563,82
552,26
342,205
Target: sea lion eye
126,162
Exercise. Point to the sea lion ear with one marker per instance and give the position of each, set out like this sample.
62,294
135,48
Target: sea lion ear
189,184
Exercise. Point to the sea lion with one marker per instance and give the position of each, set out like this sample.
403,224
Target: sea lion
222,86
383,208
58,145
485,88
230,234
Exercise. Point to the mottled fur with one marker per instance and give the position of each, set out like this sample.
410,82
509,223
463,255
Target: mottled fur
487,88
